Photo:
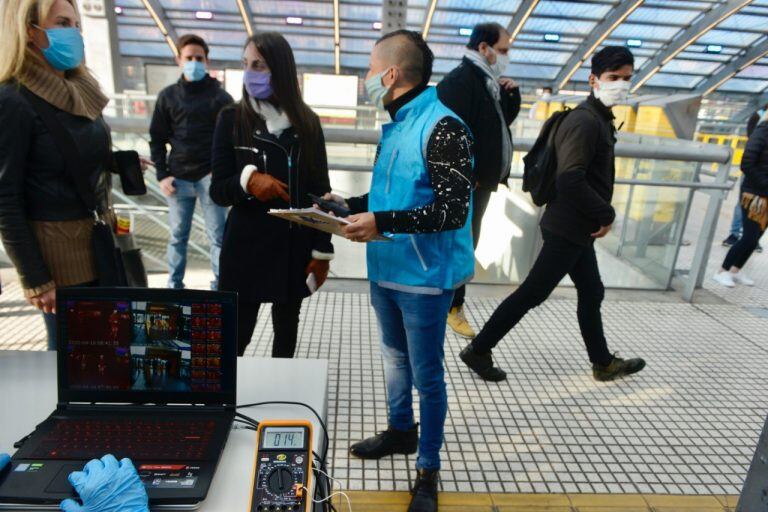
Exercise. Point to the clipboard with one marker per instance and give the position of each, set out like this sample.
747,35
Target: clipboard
318,219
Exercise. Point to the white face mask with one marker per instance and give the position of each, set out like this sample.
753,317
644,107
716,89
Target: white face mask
546,95
612,93
500,66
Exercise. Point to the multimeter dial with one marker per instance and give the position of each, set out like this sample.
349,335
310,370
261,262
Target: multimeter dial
281,481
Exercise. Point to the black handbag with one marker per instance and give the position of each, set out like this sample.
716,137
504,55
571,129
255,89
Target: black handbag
107,255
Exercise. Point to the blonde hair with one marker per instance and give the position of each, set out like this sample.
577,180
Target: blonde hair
15,17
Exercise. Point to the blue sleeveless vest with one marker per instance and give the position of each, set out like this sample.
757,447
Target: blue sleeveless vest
421,263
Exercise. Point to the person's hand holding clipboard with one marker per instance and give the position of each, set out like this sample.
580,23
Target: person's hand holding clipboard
362,226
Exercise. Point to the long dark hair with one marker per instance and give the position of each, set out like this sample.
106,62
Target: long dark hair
278,56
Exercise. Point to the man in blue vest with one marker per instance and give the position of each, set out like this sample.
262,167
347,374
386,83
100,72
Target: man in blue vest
421,196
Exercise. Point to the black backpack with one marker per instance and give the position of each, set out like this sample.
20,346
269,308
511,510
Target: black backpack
540,164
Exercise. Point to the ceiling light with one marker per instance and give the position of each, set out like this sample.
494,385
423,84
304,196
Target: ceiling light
634,43
552,38
376,25
294,20
118,10
465,31
204,15
714,48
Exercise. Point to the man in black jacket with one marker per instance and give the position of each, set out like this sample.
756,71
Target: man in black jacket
580,213
488,104
184,117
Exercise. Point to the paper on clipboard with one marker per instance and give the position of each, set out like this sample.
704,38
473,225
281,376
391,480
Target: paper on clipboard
317,219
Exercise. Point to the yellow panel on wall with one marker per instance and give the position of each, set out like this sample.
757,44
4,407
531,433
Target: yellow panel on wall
651,120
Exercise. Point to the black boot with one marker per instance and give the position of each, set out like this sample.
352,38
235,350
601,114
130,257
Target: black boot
389,442
617,369
424,492
482,364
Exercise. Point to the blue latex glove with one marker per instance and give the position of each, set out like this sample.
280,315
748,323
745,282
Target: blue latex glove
107,486
5,459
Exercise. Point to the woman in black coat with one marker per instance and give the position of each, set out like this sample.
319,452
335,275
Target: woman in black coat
754,208
269,152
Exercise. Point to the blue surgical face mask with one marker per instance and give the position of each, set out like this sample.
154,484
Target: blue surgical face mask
65,48
194,70
376,89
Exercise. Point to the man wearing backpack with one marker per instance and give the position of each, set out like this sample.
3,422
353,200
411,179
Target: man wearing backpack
579,213
488,104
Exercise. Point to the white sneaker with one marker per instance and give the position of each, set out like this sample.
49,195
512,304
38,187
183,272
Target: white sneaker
725,279
742,278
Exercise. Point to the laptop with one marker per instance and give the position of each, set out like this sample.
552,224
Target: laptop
148,374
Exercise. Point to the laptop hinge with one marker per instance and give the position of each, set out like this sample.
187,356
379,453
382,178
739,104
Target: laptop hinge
181,408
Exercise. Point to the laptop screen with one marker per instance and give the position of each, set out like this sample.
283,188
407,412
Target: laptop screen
146,345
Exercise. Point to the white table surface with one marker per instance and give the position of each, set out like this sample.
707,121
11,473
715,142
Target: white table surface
28,395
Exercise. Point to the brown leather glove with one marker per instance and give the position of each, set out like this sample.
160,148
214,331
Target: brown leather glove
320,269
266,188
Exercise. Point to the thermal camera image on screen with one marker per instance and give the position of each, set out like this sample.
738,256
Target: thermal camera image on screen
144,346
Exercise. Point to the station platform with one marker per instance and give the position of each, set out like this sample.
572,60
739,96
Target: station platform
677,437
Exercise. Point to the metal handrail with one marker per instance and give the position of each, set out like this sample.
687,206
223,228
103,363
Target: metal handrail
685,151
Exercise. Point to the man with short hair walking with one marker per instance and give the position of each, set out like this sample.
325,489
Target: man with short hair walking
580,213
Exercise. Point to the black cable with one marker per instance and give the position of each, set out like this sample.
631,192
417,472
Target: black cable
242,418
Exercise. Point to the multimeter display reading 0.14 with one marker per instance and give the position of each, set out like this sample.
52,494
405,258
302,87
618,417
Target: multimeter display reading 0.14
282,470
288,438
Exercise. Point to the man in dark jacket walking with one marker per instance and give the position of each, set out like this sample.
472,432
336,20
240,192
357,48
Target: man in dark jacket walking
488,104
580,213
185,117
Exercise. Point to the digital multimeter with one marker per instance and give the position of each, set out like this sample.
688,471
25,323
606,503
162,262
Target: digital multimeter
282,471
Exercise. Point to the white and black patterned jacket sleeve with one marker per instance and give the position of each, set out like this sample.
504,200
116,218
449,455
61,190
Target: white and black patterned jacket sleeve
449,163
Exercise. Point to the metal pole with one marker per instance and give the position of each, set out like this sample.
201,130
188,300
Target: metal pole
706,236
684,222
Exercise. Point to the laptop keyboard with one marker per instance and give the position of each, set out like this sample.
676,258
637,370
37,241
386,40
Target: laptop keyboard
138,439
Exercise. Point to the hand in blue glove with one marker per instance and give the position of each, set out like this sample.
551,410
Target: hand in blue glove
5,459
107,486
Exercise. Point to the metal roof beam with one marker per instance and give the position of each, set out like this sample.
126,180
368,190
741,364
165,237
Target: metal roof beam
524,12
247,14
428,14
599,34
730,70
157,13
679,43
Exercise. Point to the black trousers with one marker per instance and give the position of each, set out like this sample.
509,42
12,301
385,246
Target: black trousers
479,205
285,322
742,250
558,258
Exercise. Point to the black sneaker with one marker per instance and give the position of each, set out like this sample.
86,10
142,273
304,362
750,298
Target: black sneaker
389,442
424,492
732,239
482,364
617,369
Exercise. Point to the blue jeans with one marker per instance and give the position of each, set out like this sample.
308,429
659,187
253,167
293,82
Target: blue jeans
737,223
181,209
412,338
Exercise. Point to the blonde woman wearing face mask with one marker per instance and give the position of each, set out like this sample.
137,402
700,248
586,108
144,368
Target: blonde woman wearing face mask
44,224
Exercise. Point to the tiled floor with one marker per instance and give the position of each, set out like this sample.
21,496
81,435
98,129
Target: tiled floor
687,425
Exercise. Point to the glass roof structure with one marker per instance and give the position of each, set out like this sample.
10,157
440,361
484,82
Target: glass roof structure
701,46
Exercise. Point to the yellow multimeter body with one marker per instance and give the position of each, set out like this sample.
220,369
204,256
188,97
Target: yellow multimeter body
282,469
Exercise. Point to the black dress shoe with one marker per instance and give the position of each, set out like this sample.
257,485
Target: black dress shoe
424,492
389,442
482,364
